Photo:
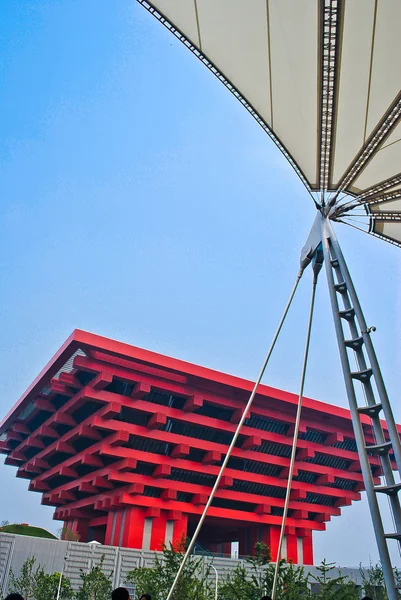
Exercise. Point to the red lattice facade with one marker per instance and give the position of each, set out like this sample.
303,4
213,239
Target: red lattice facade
126,444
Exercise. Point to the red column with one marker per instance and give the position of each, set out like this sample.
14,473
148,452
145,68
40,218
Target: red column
271,538
226,548
109,528
115,541
180,530
253,538
82,529
133,527
158,535
78,526
292,548
307,549
242,543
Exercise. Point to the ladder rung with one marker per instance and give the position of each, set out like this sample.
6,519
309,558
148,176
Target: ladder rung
341,287
393,536
379,448
334,262
391,490
362,375
371,411
355,344
347,314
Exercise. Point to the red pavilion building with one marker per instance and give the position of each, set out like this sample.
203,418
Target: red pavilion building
126,444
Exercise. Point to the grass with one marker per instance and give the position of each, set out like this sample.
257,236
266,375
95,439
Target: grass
27,530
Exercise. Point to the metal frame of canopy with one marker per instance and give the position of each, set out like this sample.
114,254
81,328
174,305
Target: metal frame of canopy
231,88
323,245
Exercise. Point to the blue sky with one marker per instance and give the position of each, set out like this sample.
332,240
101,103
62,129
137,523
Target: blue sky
140,201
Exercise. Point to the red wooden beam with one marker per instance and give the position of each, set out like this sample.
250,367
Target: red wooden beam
141,389
157,421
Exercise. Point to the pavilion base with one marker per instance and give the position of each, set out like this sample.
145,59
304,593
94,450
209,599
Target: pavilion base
135,527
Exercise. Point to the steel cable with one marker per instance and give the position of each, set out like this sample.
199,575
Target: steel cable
235,437
295,439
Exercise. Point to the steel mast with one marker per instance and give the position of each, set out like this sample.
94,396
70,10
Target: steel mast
353,337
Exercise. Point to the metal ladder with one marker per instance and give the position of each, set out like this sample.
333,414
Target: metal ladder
347,313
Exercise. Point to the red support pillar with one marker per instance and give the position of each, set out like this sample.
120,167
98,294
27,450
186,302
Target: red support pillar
81,528
180,530
253,538
158,535
134,523
292,548
117,537
109,528
226,549
307,549
242,543
271,538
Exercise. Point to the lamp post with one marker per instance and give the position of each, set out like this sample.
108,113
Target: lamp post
217,581
61,577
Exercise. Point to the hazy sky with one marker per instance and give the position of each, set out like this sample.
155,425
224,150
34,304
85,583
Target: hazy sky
140,201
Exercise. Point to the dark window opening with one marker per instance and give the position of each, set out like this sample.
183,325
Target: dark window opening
147,444
184,497
215,411
274,448
313,436
119,386
192,477
330,461
320,499
166,399
265,424
143,468
59,400
201,433
84,377
132,416
347,444
61,429
198,455
58,480
39,419
277,511
152,492
31,451
83,469
253,466
82,443
57,458
86,410
233,504
250,487
306,477
344,484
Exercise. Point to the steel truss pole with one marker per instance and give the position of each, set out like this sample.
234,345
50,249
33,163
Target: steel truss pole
244,416
377,374
340,285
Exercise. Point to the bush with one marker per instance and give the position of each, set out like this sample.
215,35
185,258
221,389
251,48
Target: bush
193,584
95,584
34,584
333,588
26,582
257,580
47,587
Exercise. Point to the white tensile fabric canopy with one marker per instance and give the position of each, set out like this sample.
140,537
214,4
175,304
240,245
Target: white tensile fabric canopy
323,78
